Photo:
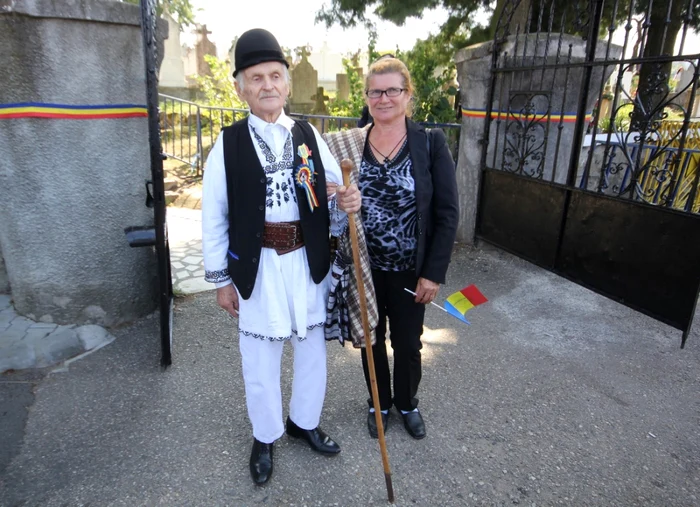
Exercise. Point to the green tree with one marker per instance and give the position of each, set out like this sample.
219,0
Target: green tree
181,10
432,76
218,89
430,62
353,106
664,22
459,29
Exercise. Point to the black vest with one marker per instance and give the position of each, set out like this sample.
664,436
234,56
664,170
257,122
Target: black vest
246,187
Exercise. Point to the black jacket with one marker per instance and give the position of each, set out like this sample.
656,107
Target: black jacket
437,200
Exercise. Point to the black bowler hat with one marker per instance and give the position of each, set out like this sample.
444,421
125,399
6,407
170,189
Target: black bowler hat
257,46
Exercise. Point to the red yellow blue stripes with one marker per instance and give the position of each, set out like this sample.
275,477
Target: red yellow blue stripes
71,112
459,303
554,117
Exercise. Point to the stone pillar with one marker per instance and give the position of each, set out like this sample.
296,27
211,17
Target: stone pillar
305,81
342,87
70,186
474,76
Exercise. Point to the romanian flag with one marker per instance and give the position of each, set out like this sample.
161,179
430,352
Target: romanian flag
459,303
71,112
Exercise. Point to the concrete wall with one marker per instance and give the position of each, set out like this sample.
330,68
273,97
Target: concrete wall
69,187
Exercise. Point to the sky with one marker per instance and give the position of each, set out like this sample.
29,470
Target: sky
292,23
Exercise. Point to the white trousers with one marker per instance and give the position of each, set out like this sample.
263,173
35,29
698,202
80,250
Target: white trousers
261,374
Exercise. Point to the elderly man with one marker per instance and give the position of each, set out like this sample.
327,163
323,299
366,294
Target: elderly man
265,222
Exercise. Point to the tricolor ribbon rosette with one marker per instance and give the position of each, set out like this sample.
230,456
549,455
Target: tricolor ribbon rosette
305,176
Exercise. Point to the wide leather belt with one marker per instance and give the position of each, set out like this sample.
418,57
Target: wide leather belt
284,237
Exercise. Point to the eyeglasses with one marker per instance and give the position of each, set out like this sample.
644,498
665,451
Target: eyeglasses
390,92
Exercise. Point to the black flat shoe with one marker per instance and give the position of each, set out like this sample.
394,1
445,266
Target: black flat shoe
372,424
316,438
261,462
413,422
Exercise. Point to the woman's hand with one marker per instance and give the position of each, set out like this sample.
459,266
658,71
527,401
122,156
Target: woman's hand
349,198
330,188
426,291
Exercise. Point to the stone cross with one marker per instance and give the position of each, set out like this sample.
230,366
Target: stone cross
320,99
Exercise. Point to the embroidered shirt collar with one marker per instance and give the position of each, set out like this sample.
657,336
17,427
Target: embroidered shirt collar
259,124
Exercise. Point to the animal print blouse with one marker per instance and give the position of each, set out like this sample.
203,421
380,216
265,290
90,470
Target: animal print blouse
389,210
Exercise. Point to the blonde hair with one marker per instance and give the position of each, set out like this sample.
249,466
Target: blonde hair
388,64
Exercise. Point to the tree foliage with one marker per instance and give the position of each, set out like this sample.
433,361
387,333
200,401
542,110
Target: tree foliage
430,61
433,77
459,29
181,10
664,21
353,106
218,89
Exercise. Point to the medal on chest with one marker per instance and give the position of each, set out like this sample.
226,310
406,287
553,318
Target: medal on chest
305,176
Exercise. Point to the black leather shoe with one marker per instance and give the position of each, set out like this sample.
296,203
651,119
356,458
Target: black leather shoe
413,422
261,462
316,438
372,424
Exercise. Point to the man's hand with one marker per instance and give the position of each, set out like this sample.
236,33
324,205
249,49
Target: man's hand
426,291
228,299
349,198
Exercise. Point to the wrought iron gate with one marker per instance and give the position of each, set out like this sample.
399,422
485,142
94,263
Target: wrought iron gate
165,287
587,172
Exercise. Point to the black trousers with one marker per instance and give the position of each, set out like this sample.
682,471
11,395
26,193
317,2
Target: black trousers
406,327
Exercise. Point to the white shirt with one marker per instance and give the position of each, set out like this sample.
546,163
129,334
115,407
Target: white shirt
284,280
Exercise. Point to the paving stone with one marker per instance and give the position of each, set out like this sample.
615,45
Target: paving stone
192,267
44,325
16,331
58,346
194,285
34,334
18,356
7,316
193,259
93,336
199,273
19,324
177,265
5,301
13,334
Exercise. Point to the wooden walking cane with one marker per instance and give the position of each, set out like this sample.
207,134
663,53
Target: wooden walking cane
346,165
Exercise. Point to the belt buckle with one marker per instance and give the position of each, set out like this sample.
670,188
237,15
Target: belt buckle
292,241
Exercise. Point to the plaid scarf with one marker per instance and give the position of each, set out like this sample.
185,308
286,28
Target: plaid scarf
344,317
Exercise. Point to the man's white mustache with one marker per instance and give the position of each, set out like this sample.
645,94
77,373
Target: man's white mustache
269,96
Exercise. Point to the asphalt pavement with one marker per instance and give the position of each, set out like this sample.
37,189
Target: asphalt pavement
553,396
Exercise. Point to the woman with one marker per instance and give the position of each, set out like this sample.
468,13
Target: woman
410,214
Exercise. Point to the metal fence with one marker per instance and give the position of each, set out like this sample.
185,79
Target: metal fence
189,130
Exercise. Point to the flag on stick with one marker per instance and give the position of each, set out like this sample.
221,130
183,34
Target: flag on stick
459,303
